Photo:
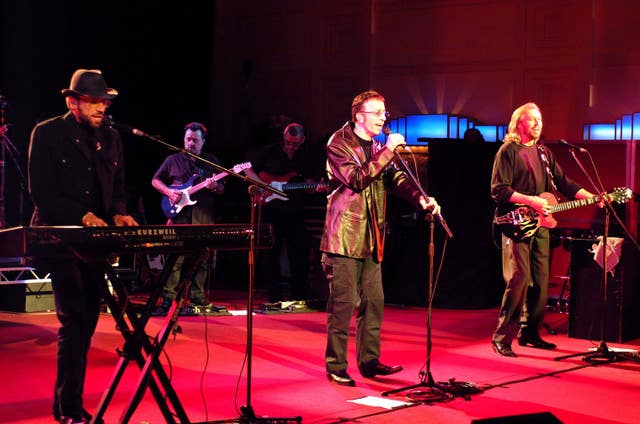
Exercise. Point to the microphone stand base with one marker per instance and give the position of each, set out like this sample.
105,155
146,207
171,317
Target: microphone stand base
430,391
248,416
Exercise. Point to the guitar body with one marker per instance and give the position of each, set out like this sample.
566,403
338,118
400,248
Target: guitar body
521,222
172,210
282,183
276,182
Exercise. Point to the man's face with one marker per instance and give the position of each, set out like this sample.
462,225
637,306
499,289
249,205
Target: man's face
372,116
89,110
193,141
530,125
291,143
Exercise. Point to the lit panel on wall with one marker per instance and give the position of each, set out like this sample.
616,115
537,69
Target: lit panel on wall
626,127
602,132
426,126
502,130
453,127
489,132
462,125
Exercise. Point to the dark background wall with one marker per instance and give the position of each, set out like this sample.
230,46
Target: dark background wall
242,67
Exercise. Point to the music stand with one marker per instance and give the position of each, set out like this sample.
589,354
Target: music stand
247,415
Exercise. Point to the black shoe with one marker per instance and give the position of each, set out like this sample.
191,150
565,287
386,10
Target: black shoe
86,416
503,349
535,341
201,302
340,377
164,307
380,369
73,420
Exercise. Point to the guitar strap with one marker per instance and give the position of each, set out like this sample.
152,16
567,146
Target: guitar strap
546,165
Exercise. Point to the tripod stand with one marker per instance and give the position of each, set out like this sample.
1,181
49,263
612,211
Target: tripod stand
6,147
247,415
435,391
602,354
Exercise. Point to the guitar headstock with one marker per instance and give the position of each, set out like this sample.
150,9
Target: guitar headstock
241,167
620,195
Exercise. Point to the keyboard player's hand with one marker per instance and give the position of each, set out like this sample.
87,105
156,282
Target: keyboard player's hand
124,221
91,220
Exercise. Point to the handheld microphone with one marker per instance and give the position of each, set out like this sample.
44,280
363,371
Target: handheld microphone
387,132
573,146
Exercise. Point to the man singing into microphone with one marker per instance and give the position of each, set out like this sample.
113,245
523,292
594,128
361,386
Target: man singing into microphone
360,171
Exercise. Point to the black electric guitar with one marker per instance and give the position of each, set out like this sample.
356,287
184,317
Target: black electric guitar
171,210
522,221
282,183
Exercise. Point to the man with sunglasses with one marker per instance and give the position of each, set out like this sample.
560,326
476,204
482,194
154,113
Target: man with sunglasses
360,171
76,177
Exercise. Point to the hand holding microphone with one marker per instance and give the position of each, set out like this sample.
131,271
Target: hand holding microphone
394,141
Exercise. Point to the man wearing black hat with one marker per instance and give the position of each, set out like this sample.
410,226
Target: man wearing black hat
76,177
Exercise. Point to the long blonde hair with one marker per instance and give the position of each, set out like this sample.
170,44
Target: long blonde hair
512,135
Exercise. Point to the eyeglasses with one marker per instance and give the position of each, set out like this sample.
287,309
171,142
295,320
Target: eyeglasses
378,113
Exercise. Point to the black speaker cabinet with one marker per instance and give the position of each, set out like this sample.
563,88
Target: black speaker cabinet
536,418
587,300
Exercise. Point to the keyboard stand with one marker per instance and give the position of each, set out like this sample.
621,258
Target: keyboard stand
139,348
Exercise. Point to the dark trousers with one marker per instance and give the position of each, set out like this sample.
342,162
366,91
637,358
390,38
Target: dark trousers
77,294
289,232
354,284
198,287
525,268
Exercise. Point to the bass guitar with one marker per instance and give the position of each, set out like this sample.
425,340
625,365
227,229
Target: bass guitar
522,222
282,183
171,210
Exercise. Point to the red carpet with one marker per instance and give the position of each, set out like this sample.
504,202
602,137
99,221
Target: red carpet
208,369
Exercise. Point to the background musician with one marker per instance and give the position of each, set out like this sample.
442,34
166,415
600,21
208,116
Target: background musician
182,170
286,161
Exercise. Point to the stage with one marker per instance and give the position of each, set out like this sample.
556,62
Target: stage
206,363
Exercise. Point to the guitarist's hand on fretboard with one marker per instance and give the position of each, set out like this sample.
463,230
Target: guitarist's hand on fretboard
540,204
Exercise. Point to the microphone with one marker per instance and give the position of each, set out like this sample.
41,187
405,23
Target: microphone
386,131
110,123
573,146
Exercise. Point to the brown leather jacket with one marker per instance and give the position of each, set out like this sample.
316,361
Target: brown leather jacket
358,198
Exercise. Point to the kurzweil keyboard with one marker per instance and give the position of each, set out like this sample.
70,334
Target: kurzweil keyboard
52,241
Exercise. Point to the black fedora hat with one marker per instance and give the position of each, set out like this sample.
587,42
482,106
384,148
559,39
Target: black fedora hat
89,82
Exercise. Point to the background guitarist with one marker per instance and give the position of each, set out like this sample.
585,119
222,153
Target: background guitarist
522,170
286,160
177,169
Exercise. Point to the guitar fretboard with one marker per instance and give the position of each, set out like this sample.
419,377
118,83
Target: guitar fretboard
300,186
565,206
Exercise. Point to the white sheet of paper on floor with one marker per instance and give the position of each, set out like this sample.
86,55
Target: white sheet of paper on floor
379,402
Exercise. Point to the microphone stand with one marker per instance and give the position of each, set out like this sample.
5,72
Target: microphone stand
7,147
436,391
247,414
602,354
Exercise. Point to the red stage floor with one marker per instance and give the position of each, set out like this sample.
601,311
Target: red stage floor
208,368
